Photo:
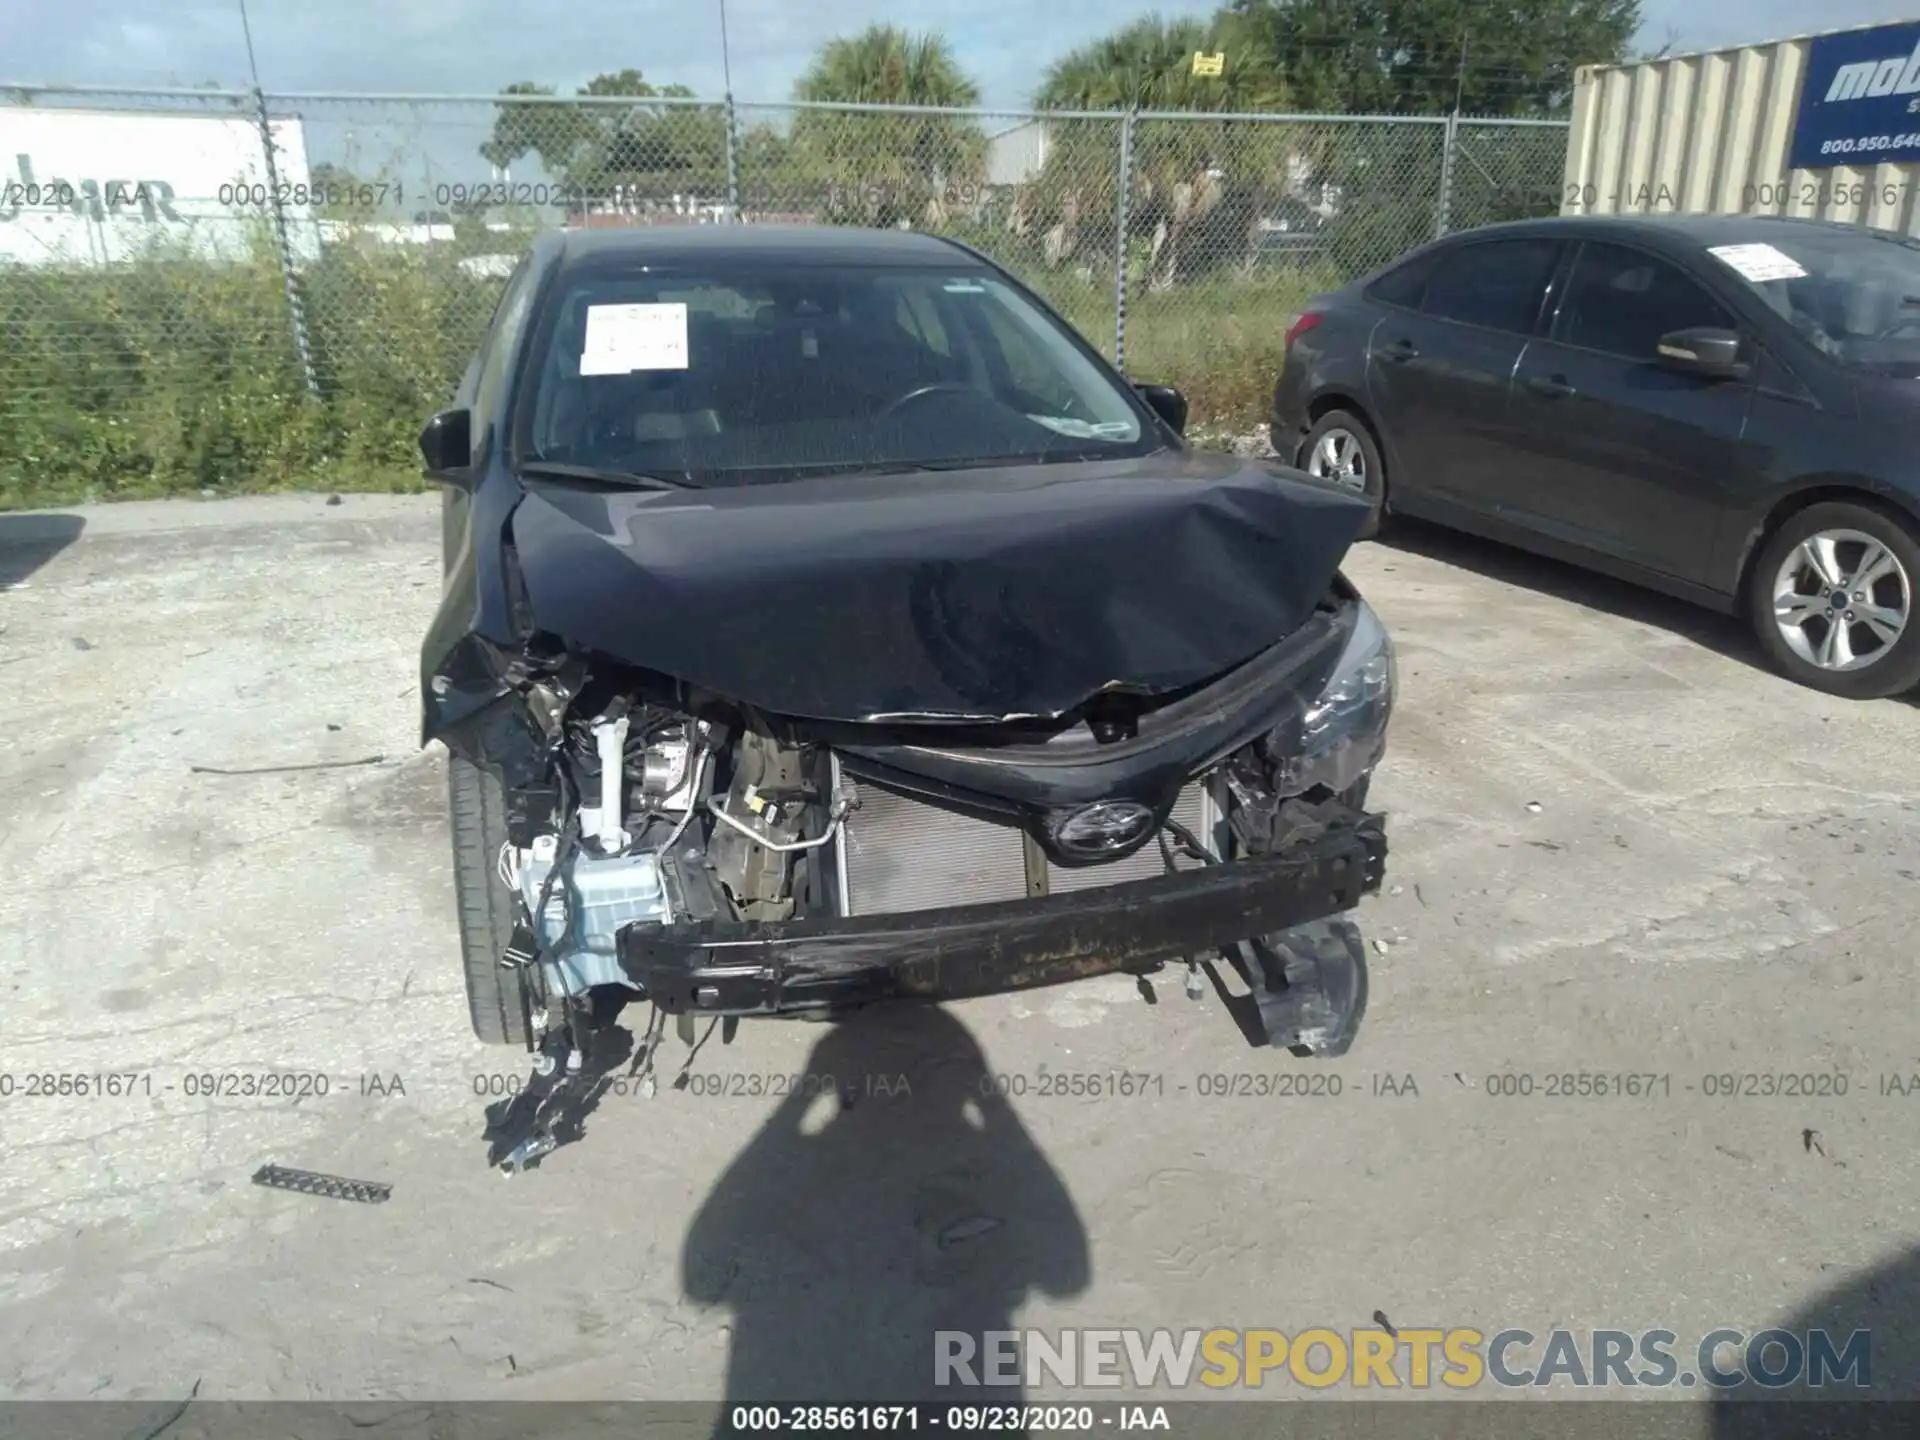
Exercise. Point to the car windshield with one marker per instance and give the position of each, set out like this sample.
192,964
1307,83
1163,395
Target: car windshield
736,376
1855,295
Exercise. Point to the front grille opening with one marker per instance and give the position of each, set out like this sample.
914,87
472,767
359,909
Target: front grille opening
904,855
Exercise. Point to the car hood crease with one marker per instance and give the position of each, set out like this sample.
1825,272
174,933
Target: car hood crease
973,596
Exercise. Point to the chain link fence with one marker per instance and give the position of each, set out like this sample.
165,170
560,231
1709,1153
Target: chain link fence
1505,170
278,289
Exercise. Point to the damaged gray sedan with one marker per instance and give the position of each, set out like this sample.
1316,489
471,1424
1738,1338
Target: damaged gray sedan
826,623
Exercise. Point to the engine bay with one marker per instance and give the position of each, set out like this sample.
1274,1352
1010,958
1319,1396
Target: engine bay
669,846
657,816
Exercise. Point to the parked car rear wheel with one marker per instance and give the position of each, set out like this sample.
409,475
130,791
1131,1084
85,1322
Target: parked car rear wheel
1340,449
1832,600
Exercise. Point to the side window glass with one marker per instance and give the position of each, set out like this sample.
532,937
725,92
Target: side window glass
1403,285
1497,284
1622,301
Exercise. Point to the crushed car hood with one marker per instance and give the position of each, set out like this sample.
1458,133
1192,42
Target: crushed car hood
979,595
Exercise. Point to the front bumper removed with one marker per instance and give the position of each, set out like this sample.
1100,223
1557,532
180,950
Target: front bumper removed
1305,981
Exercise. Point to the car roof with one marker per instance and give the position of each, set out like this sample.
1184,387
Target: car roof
1686,229
791,244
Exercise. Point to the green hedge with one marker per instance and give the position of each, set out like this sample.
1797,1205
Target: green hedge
173,376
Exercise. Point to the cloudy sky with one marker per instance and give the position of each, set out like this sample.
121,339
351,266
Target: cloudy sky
480,45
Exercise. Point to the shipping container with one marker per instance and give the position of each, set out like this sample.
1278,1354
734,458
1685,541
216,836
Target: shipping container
90,187
1819,126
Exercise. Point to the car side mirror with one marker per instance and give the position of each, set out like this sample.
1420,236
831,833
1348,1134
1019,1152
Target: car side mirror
446,446
1168,403
1703,350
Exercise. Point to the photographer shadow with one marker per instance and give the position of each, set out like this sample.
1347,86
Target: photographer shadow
893,1195
1884,1301
29,541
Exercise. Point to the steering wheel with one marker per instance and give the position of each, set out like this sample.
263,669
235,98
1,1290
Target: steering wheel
1905,322
921,392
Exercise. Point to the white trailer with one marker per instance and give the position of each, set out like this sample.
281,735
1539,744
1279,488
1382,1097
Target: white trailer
91,187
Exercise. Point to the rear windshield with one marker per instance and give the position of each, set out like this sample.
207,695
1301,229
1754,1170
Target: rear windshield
731,376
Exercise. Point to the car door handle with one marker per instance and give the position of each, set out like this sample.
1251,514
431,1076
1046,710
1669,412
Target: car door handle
1399,350
1554,387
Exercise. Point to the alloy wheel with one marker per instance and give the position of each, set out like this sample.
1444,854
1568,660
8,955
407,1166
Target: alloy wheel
1339,458
1841,599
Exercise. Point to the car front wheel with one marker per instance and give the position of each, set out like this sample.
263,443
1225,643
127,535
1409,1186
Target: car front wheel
1340,449
1832,600
495,1002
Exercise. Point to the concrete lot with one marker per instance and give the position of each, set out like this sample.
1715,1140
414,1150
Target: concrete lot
1618,846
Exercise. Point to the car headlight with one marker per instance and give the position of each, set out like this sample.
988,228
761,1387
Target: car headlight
1342,733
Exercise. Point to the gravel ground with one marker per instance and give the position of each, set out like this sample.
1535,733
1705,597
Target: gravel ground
1619,846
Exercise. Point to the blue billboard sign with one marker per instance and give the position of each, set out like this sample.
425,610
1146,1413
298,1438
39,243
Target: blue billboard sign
1859,100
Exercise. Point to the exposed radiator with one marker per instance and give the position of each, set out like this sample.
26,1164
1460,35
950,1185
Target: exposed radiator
904,855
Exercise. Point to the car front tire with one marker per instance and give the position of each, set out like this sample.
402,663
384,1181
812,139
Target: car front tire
1831,598
1341,450
478,808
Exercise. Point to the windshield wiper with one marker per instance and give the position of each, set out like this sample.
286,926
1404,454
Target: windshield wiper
920,467
594,474
1074,457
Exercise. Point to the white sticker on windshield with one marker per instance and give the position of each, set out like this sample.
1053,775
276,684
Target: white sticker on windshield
1066,425
964,287
1085,429
1758,262
624,338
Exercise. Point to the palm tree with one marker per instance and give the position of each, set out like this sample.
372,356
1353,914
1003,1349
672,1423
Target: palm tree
881,168
1148,65
887,65
1195,183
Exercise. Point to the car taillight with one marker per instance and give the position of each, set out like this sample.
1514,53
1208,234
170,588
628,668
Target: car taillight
1301,324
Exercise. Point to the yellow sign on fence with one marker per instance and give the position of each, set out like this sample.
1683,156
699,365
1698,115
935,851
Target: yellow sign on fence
1214,64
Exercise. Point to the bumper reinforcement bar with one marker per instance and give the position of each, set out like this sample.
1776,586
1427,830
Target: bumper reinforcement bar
800,966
